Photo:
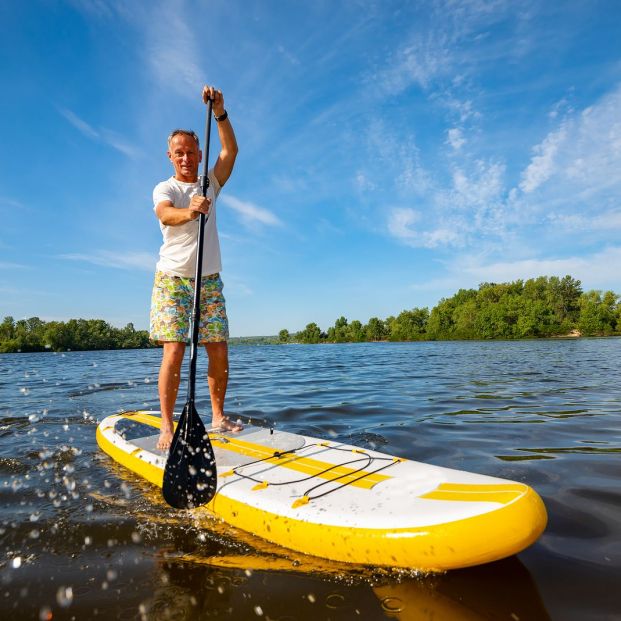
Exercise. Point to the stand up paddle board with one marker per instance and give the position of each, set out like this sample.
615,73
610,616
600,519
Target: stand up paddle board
343,503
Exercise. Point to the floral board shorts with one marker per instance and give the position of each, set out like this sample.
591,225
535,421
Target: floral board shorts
171,309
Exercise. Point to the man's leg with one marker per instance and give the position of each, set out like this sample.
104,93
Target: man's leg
168,386
218,377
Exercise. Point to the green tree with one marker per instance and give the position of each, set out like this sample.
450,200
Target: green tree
355,332
598,313
284,336
375,330
310,334
408,325
340,332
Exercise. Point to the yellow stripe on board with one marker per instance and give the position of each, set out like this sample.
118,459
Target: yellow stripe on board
314,467
465,492
306,465
145,419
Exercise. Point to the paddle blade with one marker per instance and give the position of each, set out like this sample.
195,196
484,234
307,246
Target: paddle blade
190,476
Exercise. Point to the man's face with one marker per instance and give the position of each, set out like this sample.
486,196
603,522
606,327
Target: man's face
185,157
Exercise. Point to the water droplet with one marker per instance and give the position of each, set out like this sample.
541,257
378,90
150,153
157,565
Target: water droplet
24,391
88,540
16,563
258,611
34,517
34,534
45,614
136,537
193,471
33,418
248,572
64,596
111,574
311,598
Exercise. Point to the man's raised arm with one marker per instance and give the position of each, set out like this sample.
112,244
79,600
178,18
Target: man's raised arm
228,152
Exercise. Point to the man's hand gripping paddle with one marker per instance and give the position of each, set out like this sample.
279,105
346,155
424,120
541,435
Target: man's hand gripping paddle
190,477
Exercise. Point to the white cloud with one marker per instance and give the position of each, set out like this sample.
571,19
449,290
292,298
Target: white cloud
8,265
118,142
251,213
605,221
572,184
420,62
82,126
455,138
597,270
170,49
400,222
402,225
144,261
363,182
107,136
582,156
543,165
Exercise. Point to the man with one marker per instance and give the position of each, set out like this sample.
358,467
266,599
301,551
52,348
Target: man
178,204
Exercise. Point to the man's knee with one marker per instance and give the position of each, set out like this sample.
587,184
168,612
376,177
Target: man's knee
173,354
218,354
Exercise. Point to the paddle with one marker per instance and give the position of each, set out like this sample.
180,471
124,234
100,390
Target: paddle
190,476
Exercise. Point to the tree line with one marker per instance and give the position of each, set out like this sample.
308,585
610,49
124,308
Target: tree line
538,307
34,334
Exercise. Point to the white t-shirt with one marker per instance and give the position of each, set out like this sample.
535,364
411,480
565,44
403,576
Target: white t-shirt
178,252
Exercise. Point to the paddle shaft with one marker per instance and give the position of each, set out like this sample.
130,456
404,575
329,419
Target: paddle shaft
196,309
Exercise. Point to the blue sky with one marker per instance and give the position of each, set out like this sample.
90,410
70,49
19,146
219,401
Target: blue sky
390,152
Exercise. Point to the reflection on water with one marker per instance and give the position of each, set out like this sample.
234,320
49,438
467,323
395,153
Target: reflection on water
82,538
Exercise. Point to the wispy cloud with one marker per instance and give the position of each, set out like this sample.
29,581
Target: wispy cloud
596,270
420,61
543,164
170,49
80,124
8,265
455,138
106,136
250,213
582,156
572,183
402,225
5,201
120,260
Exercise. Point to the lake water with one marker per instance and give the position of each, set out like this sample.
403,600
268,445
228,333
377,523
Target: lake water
80,538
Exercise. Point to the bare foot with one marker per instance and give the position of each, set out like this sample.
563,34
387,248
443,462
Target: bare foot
165,439
226,424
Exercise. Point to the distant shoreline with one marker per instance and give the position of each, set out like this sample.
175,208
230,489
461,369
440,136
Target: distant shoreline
270,341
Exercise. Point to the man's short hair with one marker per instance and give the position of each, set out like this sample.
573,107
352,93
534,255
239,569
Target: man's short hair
183,132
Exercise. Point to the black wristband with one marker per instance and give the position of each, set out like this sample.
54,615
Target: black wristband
222,117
